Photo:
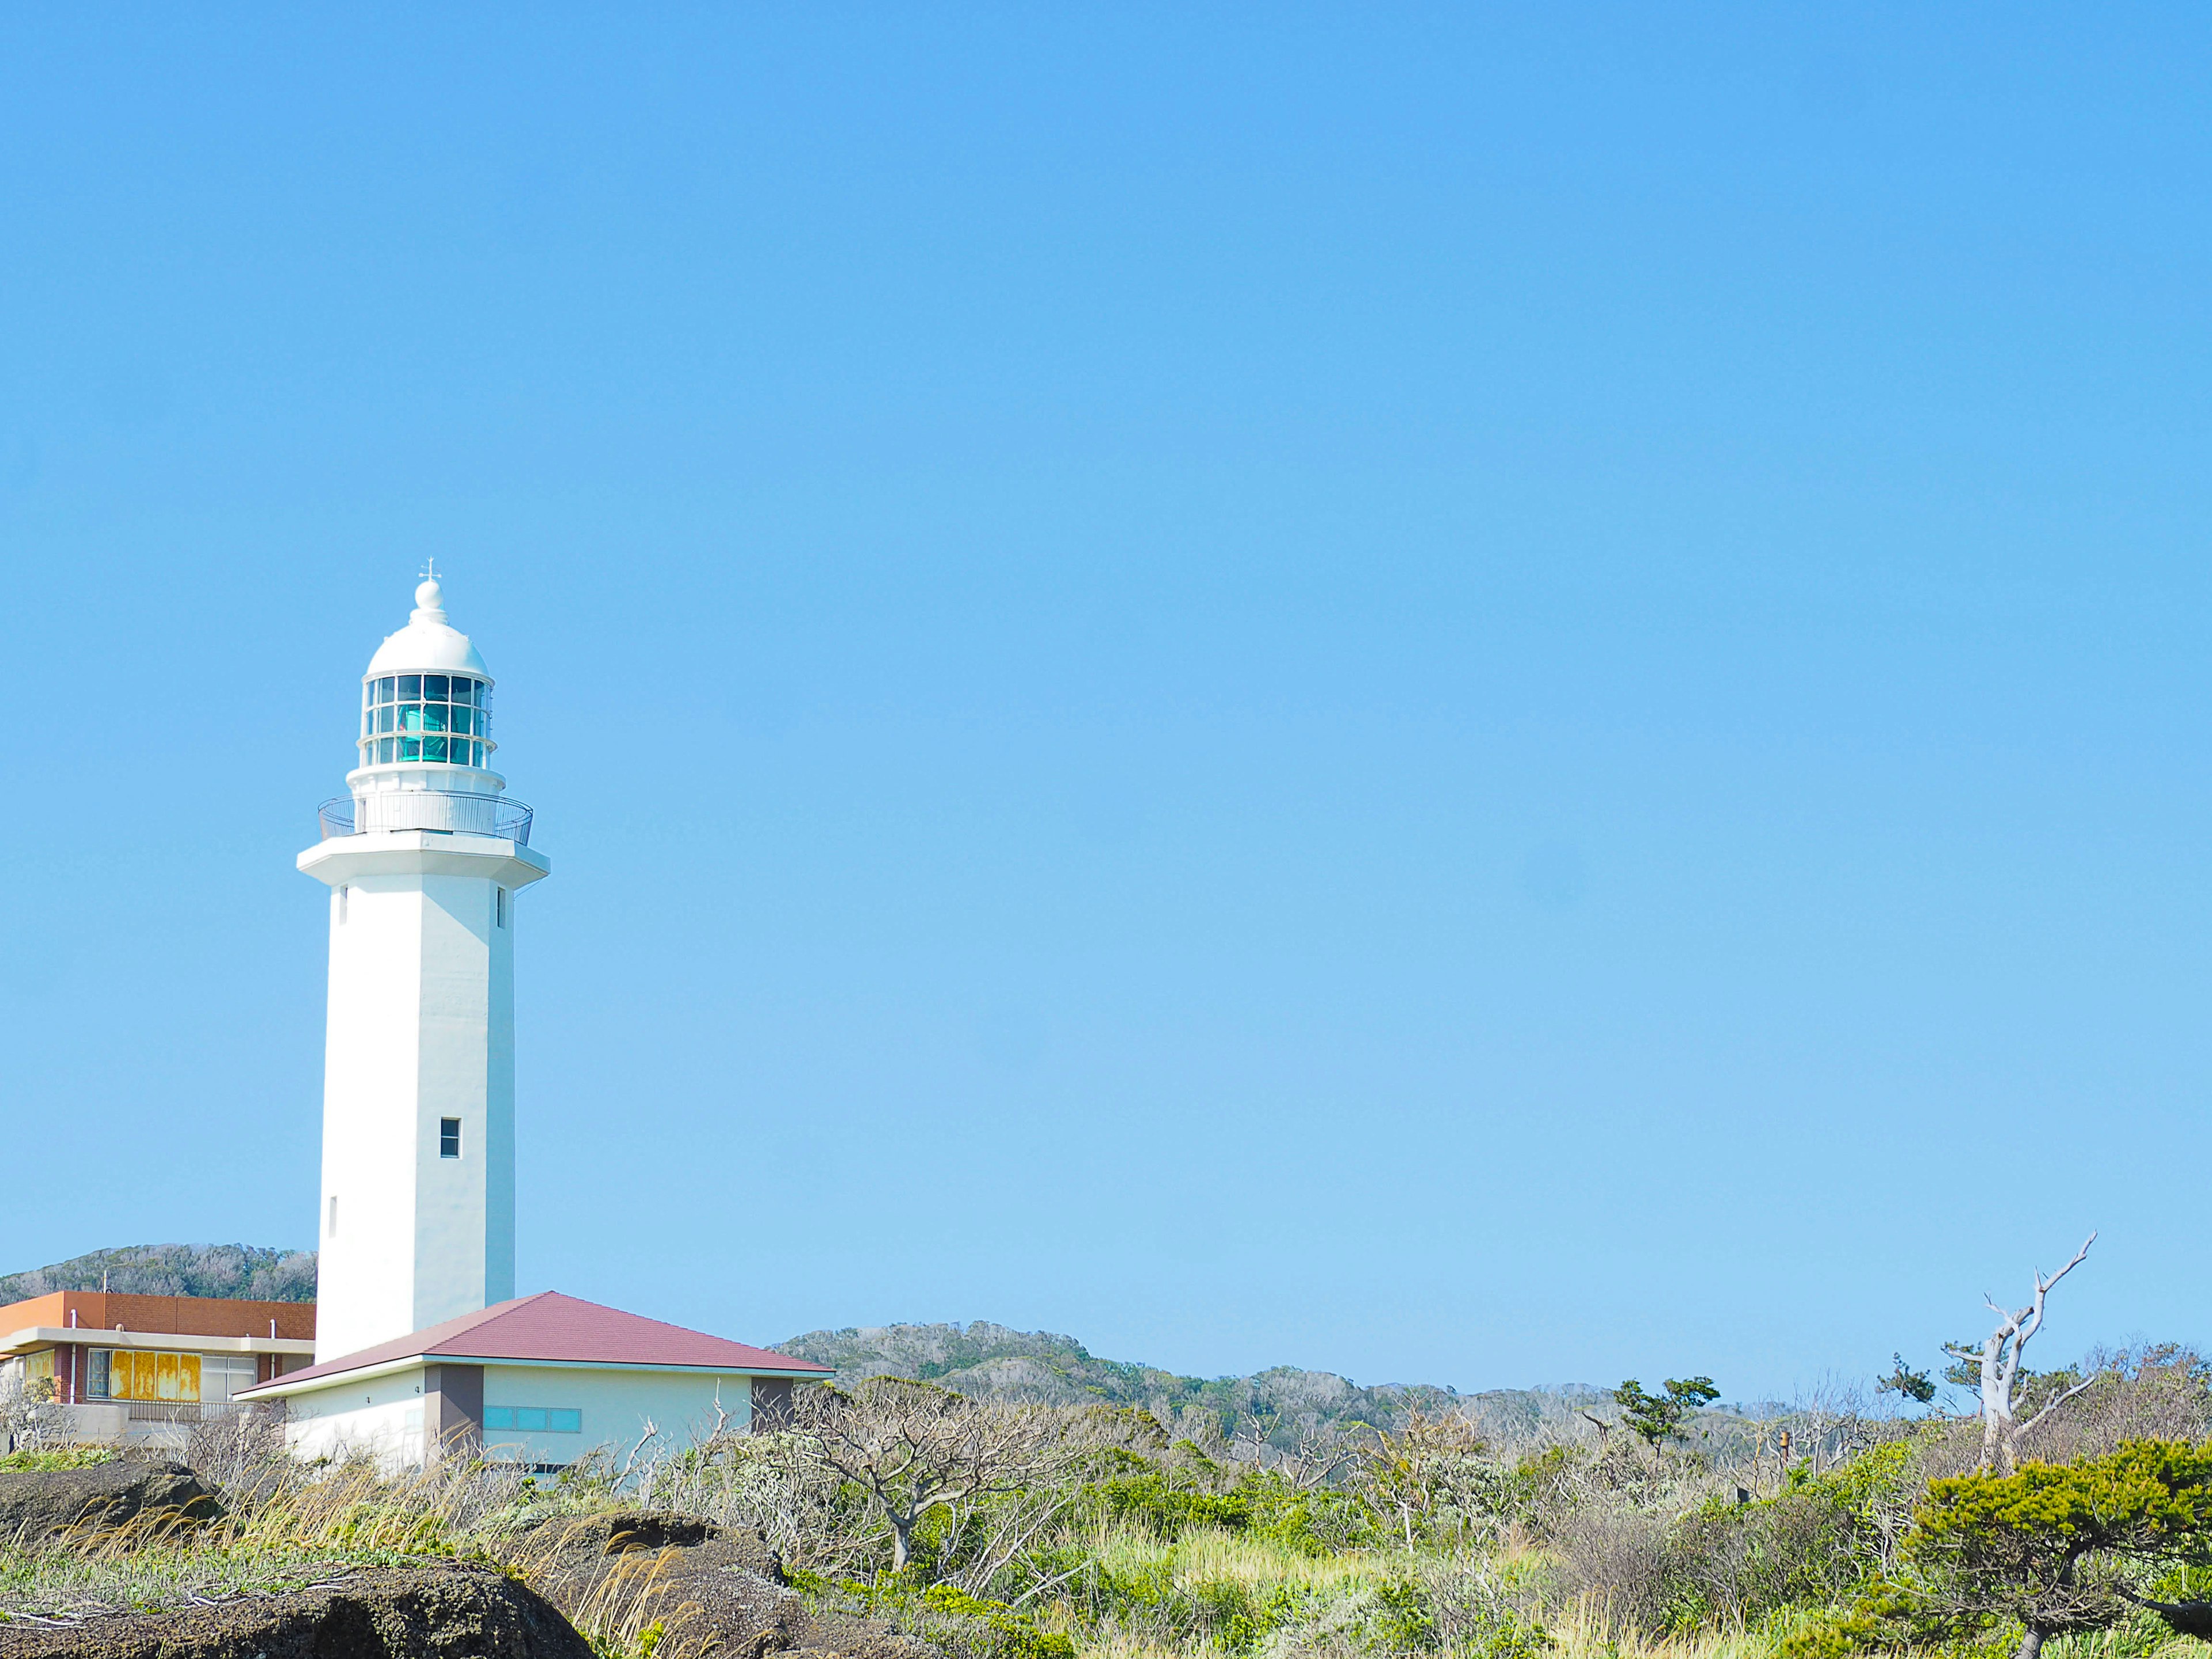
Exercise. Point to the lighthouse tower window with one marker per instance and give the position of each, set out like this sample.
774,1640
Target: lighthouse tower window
425,717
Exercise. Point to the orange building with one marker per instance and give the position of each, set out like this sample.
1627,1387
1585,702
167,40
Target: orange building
126,1366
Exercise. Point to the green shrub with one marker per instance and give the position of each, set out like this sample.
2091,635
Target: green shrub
965,1625
1315,1520
1154,1501
1016,1636
1240,1619
1404,1617
1883,1618
71,1458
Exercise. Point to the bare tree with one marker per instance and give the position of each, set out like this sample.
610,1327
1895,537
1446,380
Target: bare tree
1831,1422
988,1539
32,1418
1433,1470
1999,1370
914,1446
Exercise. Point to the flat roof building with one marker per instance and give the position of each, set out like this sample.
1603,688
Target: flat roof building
144,1367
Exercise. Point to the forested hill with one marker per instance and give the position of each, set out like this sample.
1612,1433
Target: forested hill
982,1358
227,1270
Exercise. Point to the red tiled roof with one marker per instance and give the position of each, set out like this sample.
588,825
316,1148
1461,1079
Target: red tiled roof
553,1326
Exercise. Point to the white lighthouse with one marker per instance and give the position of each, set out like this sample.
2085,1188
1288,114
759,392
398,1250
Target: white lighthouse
424,861
421,1344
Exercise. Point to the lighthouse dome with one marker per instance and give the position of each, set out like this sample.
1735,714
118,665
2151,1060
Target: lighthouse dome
428,644
426,710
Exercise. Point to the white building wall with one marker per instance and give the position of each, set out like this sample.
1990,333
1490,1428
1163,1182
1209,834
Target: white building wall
617,1406
381,1418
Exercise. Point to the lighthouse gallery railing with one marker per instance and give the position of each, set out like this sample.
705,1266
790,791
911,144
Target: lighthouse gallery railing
428,809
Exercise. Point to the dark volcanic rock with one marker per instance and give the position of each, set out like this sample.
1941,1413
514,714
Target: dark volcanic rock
35,1502
396,1612
709,1588
712,1589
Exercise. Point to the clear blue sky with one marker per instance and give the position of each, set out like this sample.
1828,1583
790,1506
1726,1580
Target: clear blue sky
1484,695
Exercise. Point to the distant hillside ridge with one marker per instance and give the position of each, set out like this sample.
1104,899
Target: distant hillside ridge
992,1361
239,1271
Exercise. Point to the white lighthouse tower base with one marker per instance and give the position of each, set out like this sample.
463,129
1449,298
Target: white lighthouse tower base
417,1217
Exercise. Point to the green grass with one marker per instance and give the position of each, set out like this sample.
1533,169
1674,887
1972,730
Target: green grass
73,1457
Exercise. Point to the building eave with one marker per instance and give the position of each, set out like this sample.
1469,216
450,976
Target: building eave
283,1386
287,1386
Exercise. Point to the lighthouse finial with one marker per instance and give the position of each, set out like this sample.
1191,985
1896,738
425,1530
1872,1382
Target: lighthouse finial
429,597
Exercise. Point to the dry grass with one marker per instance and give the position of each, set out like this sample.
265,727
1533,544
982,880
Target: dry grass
1208,1555
289,1529
1586,1632
636,1596
1126,1644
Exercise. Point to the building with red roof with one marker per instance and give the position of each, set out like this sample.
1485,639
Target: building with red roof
539,1380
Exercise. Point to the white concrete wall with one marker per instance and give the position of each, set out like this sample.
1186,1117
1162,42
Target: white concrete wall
616,1406
381,1418
107,1424
421,1027
365,1279
459,1267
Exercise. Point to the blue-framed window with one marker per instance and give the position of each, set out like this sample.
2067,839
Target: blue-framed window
535,1419
432,717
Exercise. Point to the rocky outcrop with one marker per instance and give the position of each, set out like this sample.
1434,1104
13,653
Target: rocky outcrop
397,1613
711,1590
39,1503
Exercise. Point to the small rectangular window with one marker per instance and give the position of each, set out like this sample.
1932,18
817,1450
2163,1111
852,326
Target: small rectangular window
384,745
103,1361
411,688
499,906
343,893
383,688
434,688
449,1137
334,1215
536,1419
